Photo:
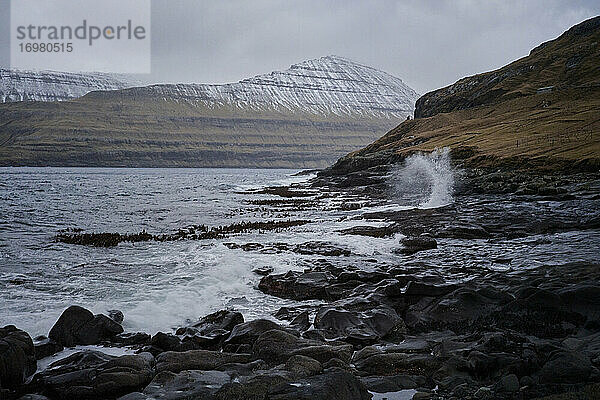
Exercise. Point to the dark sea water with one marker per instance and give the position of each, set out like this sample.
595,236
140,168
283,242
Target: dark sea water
161,285
156,285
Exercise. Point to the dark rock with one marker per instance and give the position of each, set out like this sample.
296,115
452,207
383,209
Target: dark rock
95,375
248,332
77,325
221,320
321,248
254,387
301,322
17,357
116,316
397,363
508,383
465,231
425,289
354,327
394,383
133,338
275,346
335,385
302,366
263,271
197,359
166,342
182,386
296,285
324,353
418,243
566,367
46,347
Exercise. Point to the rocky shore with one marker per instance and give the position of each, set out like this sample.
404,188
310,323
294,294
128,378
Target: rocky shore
416,330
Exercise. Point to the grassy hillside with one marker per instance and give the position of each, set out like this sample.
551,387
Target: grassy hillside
502,118
123,128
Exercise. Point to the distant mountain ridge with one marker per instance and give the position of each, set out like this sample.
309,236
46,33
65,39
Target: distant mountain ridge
325,85
20,85
304,117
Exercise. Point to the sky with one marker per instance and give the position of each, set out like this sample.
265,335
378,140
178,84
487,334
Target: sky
428,44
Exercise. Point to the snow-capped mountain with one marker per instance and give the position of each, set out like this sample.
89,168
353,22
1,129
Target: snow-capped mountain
18,85
327,85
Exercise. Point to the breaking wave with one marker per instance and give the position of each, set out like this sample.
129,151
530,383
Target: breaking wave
425,180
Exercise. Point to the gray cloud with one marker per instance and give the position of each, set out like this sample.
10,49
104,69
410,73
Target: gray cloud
428,44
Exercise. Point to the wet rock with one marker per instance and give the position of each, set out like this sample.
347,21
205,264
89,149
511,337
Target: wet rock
33,397
76,325
461,310
566,367
224,320
371,231
425,289
248,332
464,231
275,346
324,353
296,285
116,316
132,338
45,347
354,327
379,363
301,322
335,385
197,359
17,357
254,387
508,383
92,374
182,386
394,383
322,249
263,271
302,366
417,243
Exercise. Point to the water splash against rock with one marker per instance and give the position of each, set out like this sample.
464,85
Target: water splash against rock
426,180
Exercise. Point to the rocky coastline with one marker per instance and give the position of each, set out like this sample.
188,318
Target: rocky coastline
416,330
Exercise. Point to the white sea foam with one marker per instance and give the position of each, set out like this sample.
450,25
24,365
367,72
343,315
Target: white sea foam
427,179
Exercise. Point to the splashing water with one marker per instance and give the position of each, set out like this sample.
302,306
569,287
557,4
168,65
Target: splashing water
425,179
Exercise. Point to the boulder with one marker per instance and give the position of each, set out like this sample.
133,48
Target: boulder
95,375
17,357
275,346
76,325
393,383
296,285
335,385
248,332
417,243
204,360
324,353
566,367
302,366
182,386
45,347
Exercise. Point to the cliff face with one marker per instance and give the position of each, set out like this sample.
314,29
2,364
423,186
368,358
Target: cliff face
569,61
540,110
304,117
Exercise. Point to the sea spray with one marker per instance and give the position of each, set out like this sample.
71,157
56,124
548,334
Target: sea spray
425,180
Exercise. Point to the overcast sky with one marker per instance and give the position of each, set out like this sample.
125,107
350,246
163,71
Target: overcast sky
429,44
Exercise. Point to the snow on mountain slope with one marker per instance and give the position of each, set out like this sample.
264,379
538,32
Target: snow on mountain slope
18,85
327,85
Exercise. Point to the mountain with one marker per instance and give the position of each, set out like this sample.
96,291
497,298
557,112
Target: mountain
18,85
305,117
539,111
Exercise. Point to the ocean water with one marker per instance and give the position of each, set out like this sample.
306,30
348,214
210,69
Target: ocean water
160,286
157,285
